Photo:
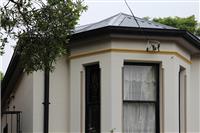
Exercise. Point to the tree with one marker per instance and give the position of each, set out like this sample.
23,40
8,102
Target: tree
42,29
187,23
1,76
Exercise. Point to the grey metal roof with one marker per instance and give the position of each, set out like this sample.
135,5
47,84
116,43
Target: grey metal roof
122,20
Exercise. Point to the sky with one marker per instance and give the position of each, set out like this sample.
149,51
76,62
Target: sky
101,9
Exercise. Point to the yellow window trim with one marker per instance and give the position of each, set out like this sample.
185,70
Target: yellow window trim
130,51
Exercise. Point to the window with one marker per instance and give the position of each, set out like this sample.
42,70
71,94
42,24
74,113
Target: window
92,99
140,98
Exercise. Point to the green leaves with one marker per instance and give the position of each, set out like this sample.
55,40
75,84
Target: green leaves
42,29
3,42
187,23
1,76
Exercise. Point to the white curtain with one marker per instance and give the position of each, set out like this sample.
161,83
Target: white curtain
139,85
139,118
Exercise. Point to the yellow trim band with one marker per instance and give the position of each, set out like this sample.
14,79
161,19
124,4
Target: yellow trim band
130,51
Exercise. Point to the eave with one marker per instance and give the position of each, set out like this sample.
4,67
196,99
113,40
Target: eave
192,39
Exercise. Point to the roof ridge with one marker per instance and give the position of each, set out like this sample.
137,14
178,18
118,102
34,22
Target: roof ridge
113,22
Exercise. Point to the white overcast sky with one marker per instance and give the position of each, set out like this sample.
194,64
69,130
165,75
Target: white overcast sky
101,9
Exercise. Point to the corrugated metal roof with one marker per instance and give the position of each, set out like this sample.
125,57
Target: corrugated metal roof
122,20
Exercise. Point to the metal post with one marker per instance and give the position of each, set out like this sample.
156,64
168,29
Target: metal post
18,123
46,101
11,123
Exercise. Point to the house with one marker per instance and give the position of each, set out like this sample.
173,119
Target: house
118,78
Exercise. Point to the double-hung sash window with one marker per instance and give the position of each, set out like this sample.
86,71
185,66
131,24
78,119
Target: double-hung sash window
140,98
93,99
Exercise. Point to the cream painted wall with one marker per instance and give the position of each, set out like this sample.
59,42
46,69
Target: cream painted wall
138,44
23,101
193,103
38,98
29,97
59,99
76,66
100,43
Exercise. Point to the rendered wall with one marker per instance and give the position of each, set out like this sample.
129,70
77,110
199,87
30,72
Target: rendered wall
76,122
23,101
59,99
29,96
111,63
193,103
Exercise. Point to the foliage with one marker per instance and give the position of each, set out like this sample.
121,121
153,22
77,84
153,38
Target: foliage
187,23
42,29
147,18
197,32
1,76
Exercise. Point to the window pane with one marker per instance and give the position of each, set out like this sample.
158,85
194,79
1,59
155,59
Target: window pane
139,117
93,105
140,83
94,119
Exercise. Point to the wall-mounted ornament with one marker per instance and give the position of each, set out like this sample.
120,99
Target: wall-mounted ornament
153,46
